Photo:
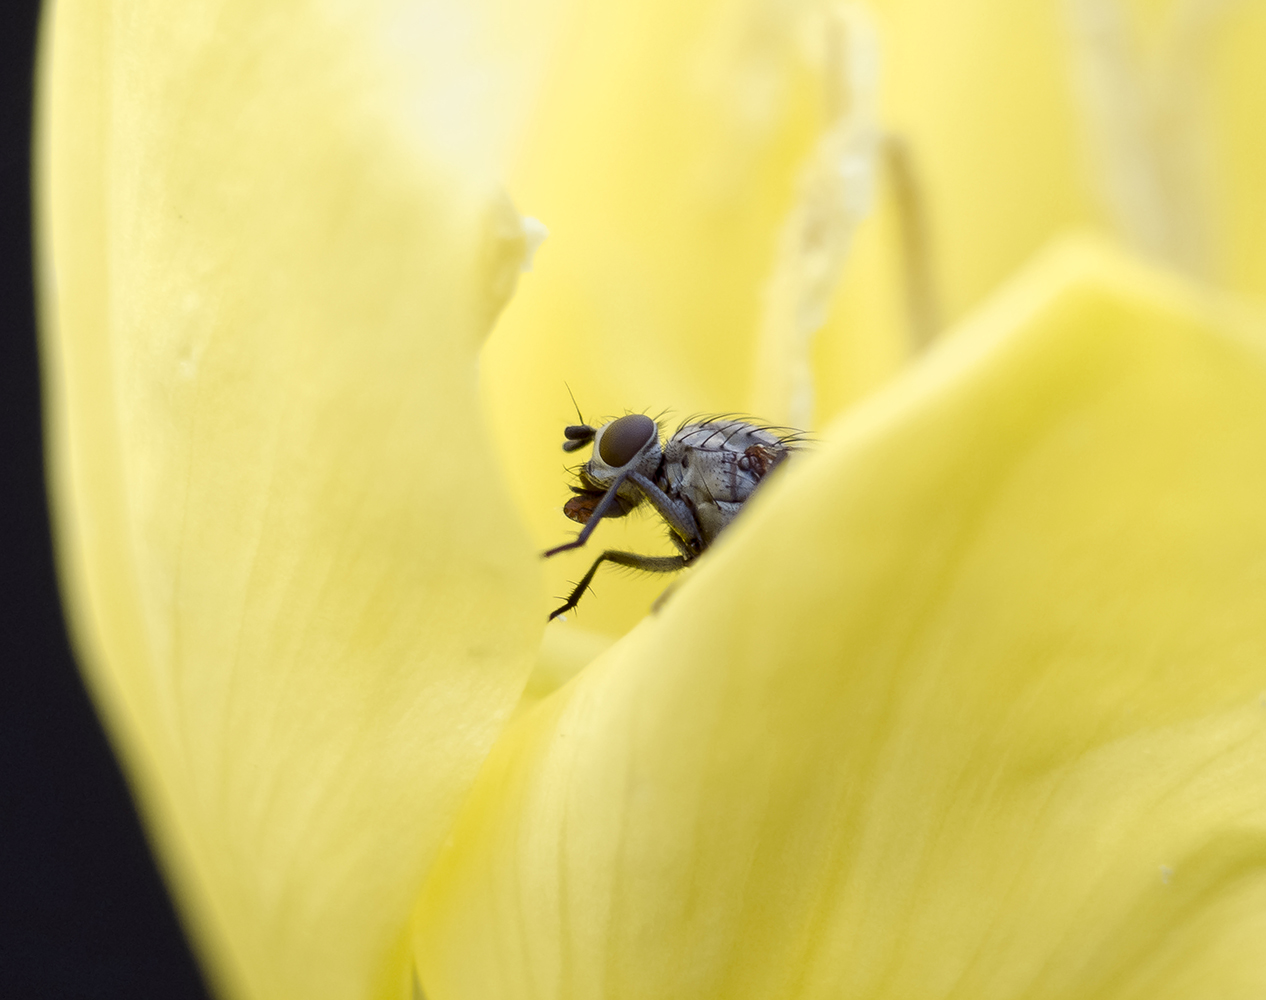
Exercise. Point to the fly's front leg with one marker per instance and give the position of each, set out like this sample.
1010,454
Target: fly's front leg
651,564
603,508
676,513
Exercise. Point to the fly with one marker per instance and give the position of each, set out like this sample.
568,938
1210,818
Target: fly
697,481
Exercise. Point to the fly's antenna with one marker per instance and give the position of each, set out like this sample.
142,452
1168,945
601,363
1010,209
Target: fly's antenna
577,435
579,419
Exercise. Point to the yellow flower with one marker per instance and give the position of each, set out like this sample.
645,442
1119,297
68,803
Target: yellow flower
970,702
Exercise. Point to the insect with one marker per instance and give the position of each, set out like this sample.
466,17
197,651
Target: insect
697,481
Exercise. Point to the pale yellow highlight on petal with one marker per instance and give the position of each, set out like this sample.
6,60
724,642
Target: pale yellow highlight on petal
969,705
1139,85
1193,71
298,589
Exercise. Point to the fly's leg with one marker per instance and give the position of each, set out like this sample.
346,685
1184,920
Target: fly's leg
603,508
676,513
650,564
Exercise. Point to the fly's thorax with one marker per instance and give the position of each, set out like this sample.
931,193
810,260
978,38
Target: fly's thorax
721,461
715,466
628,443
731,436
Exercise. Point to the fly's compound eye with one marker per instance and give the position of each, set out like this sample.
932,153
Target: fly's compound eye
577,435
622,439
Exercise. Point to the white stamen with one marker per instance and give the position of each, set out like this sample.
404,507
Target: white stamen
836,191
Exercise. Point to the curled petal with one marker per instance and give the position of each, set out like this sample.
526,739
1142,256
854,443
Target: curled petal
970,704
296,585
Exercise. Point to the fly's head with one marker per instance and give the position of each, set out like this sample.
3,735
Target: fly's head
628,443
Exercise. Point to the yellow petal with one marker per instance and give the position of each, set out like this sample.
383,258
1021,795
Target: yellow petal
1139,117
1224,83
666,157
982,95
969,705
298,590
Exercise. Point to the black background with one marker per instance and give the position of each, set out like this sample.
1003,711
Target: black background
84,912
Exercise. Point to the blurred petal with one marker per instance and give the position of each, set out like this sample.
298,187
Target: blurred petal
981,93
969,705
296,584
1138,117
1172,94
668,158
1226,69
